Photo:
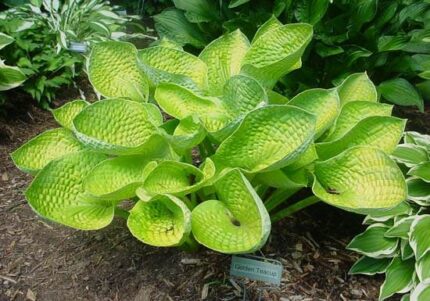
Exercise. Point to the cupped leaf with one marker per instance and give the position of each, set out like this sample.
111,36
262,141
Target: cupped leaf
118,178
399,278
418,236
360,179
268,138
352,113
236,223
188,133
223,57
370,266
42,149
276,52
357,87
177,178
162,221
373,242
175,62
10,77
119,127
114,72
65,114
57,193
383,132
323,103
271,24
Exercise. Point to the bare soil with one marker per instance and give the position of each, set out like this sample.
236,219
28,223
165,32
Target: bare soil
43,261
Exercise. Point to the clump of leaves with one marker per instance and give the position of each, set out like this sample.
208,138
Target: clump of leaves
397,242
387,39
10,76
231,152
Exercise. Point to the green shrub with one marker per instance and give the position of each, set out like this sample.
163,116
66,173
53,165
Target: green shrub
397,242
255,147
387,39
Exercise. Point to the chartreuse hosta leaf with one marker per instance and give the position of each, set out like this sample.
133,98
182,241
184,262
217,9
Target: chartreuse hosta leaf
42,149
223,57
383,132
323,103
272,23
236,223
399,278
177,178
421,292
373,242
357,87
65,114
185,134
57,193
276,52
418,236
162,221
360,179
370,266
118,178
352,113
114,72
175,62
120,127
268,138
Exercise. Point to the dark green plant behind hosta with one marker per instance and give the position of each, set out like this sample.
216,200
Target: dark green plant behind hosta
397,243
387,39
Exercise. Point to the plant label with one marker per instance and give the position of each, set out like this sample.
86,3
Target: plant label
257,268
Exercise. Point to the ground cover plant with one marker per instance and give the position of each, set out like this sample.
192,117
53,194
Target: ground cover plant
205,149
396,243
387,39
43,32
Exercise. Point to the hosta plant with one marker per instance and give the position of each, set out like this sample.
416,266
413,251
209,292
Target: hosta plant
205,149
397,242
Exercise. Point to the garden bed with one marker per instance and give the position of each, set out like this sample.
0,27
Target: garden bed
44,261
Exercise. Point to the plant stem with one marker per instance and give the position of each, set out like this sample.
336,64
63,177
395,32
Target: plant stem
121,213
278,197
202,152
189,245
210,150
294,208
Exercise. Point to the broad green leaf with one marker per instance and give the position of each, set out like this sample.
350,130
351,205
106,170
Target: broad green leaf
236,3
421,292
276,52
65,114
400,92
419,237
306,158
175,62
272,23
275,98
410,154
268,138
119,127
42,149
114,72
5,40
162,221
383,132
399,278
357,87
401,228
181,103
419,191
207,10
236,223
421,171
373,242
370,266
360,179
223,58
422,268
281,179
324,104
177,178
118,178
10,77
57,193
188,133
392,43
418,139
173,24
406,250
311,11
352,113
